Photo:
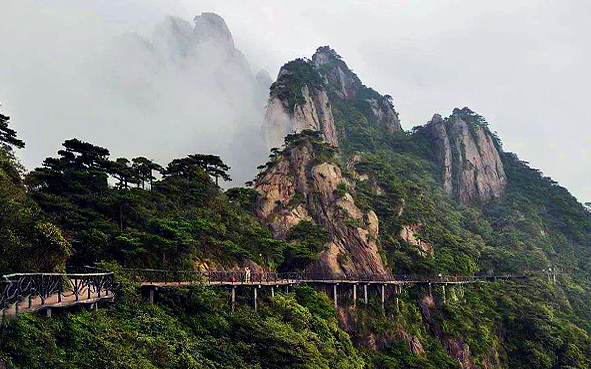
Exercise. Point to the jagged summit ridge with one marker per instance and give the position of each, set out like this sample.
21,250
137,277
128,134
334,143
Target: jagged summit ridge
210,26
307,95
192,75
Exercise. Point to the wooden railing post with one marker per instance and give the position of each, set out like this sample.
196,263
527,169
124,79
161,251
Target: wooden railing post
60,290
42,292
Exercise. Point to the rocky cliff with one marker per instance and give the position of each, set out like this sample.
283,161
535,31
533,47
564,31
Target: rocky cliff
313,112
303,183
469,156
306,92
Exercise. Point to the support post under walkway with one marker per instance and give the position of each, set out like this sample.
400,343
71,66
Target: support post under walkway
255,302
233,298
335,296
151,292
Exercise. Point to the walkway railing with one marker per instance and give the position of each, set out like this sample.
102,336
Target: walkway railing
21,292
33,291
210,277
162,276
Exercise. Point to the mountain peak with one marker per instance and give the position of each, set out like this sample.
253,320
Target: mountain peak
469,156
322,93
212,27
325,55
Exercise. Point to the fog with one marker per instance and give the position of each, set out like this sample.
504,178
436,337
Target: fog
164,92
522,64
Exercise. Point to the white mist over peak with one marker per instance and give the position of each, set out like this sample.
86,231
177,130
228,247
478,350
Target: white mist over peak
191,89
177,89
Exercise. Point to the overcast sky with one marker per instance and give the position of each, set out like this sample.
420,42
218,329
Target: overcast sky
524,65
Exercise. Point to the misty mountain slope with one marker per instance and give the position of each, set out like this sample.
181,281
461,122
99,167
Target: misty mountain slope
448,200
349,193
183,89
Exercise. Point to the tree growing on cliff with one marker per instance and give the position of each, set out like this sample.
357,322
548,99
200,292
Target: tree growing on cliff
8,135
187,167
144,169
124,173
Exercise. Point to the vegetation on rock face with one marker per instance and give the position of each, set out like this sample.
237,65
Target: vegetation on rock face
293,77
27,242
173,222
187,328
306,241
534,226
82,207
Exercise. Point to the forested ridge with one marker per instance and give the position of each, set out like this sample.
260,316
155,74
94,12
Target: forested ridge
82,207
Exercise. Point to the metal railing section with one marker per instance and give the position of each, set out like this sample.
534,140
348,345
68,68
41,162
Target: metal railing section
216,277
19,288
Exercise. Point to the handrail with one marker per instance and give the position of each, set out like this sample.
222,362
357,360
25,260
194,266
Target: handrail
38,290
6,276
185,276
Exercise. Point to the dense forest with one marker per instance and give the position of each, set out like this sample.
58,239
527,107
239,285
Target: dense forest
83,207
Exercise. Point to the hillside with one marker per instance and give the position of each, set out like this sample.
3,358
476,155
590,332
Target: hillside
345,193
447,199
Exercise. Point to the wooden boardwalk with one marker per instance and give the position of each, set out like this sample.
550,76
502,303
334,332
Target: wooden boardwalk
290,282
27,292
54,301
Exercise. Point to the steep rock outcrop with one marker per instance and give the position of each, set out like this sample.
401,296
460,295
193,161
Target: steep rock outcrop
347,86
313,113
409,233
336,73
298,188
301,99
471,166
455,347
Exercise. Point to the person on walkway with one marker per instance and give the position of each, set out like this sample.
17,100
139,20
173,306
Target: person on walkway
247,275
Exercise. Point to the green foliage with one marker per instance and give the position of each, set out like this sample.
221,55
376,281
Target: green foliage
342,189
188,328
177,221
245,197
8,135
26,242
396,355
192,164
305,242
293,77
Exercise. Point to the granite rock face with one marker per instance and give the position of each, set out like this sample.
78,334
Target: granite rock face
471,166
315,109
315,114
297,189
